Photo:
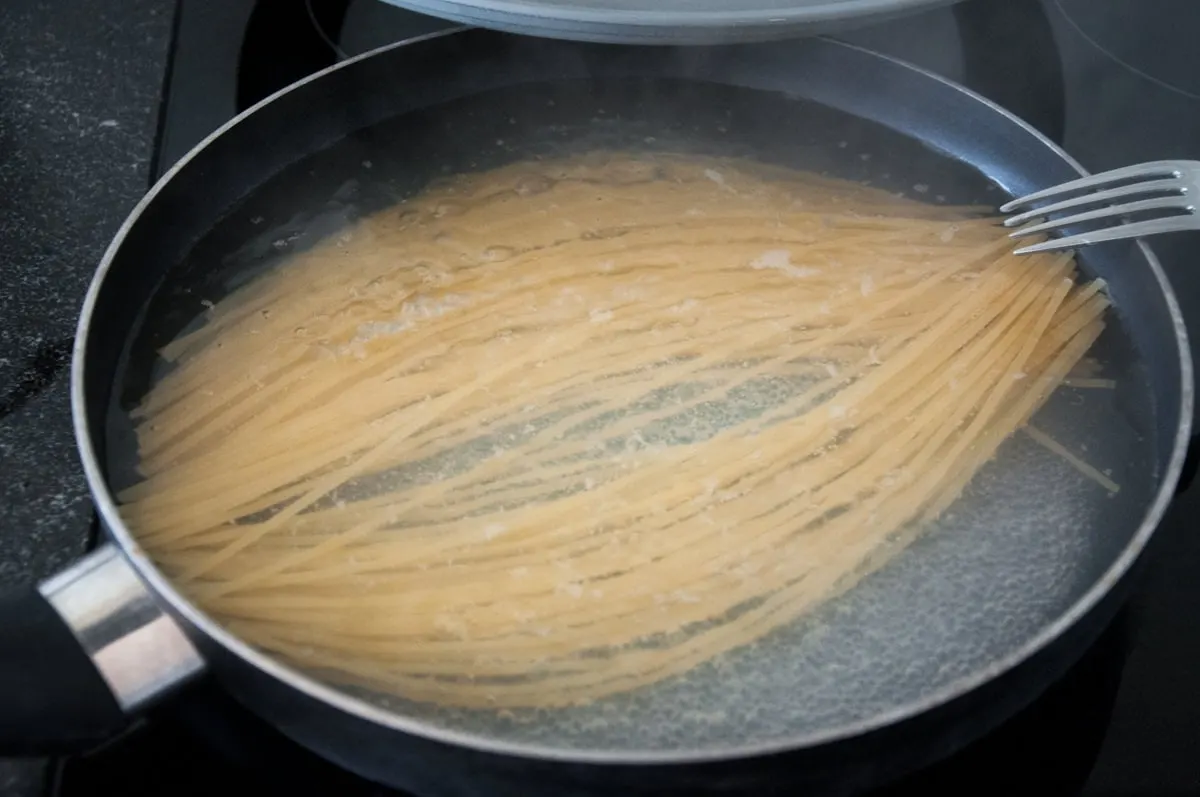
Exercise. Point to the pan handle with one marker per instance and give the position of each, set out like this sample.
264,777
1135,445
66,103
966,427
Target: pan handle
82,654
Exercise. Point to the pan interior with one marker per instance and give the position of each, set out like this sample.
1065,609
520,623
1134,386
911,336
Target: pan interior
1030,535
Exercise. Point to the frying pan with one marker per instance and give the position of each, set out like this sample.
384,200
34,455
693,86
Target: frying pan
937,648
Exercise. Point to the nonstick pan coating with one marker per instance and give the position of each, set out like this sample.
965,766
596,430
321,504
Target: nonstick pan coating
1029,555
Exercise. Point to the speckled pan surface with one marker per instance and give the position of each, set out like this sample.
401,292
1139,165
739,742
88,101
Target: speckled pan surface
666,21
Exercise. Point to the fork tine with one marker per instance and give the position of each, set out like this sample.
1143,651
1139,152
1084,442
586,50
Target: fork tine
1151,187
1162,203
1115,233
1141,170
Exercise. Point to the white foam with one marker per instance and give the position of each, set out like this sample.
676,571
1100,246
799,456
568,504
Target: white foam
781,260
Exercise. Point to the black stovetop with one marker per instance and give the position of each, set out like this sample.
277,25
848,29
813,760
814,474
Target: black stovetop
1114,85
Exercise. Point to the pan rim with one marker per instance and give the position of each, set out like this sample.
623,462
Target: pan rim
363,709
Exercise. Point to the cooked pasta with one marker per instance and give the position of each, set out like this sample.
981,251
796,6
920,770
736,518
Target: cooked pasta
570,427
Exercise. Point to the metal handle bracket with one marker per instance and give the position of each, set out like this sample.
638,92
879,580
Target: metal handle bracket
140,651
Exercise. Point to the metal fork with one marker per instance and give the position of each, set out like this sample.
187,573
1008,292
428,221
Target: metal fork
1165,187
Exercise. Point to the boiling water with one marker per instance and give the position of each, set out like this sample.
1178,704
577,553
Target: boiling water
1028,537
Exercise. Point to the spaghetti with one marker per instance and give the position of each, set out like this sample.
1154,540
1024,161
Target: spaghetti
567,428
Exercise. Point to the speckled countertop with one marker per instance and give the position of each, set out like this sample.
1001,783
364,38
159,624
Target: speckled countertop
79,91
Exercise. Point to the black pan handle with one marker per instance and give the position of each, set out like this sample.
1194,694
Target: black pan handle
82,655
52,699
